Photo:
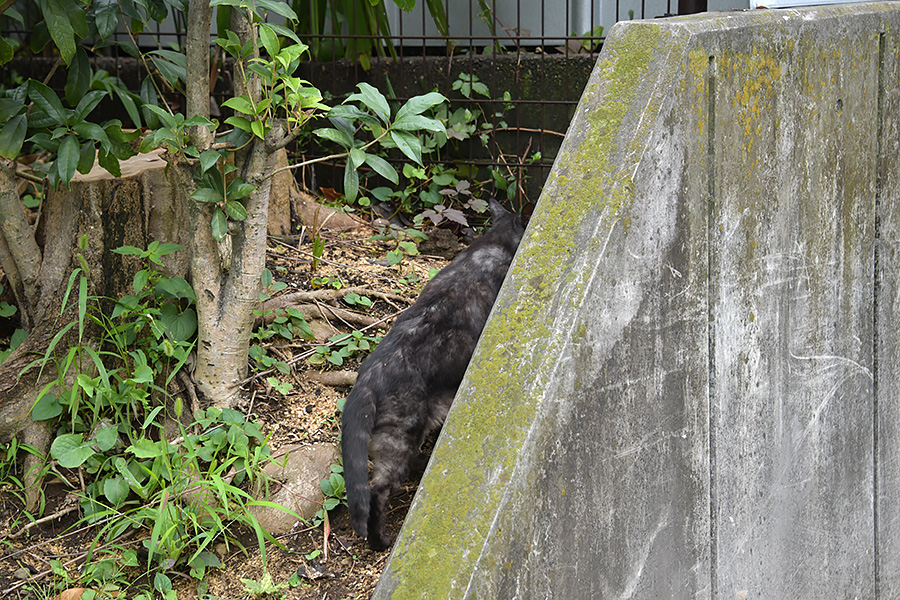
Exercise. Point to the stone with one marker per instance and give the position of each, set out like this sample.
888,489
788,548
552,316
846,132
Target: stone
295,486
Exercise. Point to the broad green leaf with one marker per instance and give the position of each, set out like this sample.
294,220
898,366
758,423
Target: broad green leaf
47,407
116,490
374,100
172,65
164,116
175,287
279,8
149,97
106,16
6,51
258,129
92,131
144,448
109,162
157,10
86,158
419,104
236,210
208,160
351,182
143,373
335,136
67,159
406,5
418,122
269,40
219,225
79,77
240,104
206,194
107,437
357,157
87,104
383,168
47,100
56,15
70,450
409,144
239,122
238,189
122,467
182,325
12,136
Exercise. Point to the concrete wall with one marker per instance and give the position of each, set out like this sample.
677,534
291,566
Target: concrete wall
688,387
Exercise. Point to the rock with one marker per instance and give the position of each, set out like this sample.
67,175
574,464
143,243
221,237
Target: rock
299,489
441,242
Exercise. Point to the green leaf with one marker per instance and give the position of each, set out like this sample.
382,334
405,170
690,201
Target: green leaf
79,77
383,168
335,136
56,15
149,97
219,225
236,210
181,325
240,104
70,450
12,136
269,40
144,448
143,373
238,189
47,407
116,490
106,16
86,158
47,100
419,104
67,159
357,157
405,5
109,162
175,287
374,100
239,122
157,10
107,437
409,144
208,160
87,104
418,122
258,128
172,65
6,51
279,8
206,194
351,182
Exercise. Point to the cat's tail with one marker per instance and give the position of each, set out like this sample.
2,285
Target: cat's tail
356,430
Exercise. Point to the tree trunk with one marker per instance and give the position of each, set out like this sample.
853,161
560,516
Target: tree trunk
96,215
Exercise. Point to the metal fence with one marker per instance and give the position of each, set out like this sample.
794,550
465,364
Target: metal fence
519,66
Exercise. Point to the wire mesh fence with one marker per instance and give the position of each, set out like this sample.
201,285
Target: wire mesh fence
512,69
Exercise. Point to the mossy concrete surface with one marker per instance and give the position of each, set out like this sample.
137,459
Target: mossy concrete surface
688,386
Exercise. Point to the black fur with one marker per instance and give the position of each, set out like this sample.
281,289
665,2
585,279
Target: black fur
405,387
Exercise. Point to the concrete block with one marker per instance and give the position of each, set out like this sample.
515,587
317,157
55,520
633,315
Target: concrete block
688,386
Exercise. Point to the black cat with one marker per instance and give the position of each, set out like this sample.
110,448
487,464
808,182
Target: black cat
405,387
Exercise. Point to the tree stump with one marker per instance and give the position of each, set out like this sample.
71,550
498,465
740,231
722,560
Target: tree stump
97,214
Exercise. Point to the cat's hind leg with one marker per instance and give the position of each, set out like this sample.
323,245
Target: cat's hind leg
393,453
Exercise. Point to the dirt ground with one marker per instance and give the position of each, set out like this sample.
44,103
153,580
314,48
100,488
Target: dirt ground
343,567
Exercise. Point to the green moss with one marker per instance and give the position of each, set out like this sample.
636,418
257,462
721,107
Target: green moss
498,404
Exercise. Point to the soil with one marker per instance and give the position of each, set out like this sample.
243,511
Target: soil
339,566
